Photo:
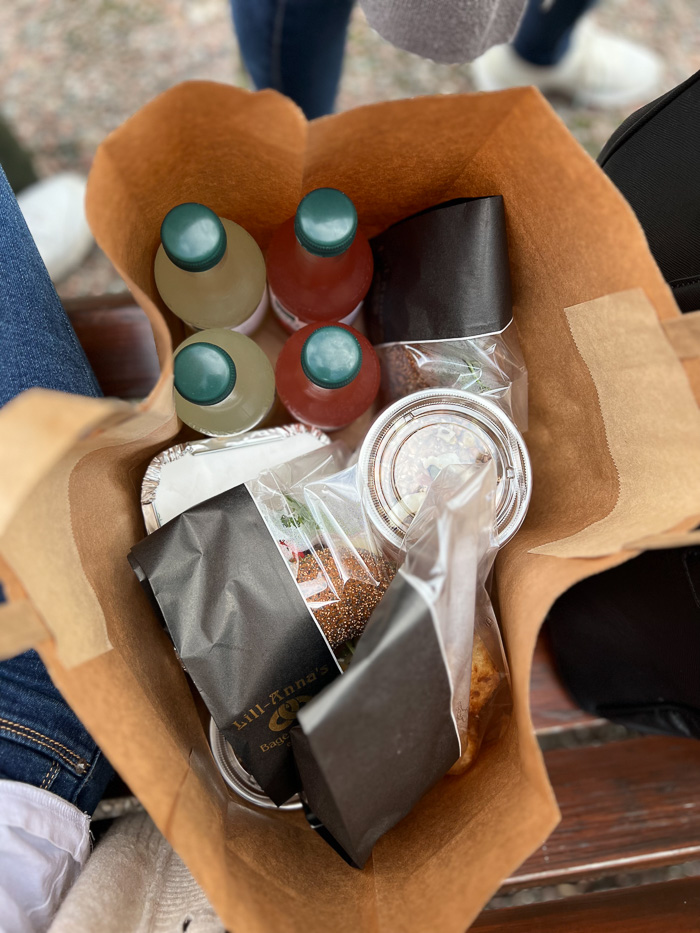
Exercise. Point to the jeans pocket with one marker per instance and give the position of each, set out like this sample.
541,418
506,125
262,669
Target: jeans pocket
42,741
17,739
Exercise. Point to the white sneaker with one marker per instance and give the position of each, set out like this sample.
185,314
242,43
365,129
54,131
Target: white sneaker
599,70
54,210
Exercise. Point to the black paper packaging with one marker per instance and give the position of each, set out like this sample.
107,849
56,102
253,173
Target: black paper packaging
241,628
439,310
377,739
370,743
451,259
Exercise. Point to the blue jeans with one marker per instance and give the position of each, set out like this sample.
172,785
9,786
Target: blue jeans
42,742
545,30
294,46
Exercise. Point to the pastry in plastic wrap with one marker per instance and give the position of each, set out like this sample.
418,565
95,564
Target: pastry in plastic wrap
440,308
486,679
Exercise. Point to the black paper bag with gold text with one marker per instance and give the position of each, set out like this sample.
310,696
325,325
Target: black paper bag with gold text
241,628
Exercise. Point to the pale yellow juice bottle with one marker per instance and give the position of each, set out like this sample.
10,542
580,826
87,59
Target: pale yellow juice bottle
224,383
209,271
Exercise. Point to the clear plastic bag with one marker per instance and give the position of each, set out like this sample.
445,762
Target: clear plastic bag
316,509
425,682
450,550
311,506
258,639
440,310
492,366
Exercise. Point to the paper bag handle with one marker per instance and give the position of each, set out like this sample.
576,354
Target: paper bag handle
21,626
683,333
672,539
39,429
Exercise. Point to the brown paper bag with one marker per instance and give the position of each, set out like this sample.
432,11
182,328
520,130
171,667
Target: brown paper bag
614,439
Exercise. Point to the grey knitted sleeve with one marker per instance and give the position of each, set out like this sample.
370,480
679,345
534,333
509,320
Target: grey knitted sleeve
445,30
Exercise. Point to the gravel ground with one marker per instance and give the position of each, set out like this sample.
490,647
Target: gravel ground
72,72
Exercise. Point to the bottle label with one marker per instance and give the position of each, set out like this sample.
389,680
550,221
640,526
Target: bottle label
249,326
292,322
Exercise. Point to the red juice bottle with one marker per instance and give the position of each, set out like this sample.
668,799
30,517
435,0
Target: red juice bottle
319,265
327,375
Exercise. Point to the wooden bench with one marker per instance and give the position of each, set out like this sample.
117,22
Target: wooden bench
629,804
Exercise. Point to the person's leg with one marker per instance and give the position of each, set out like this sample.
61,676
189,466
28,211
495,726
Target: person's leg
42,742
53,207
295,47
544,34
561,50
15,160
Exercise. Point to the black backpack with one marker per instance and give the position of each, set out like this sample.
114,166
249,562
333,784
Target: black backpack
654,159
627,641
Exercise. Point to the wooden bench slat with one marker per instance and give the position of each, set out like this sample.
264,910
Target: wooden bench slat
670,907
626,806
118,342
553,710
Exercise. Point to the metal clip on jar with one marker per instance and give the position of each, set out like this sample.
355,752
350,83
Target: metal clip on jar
413,439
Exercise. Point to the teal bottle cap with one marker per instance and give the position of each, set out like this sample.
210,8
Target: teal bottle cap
193,237
204,373
331,357
326,222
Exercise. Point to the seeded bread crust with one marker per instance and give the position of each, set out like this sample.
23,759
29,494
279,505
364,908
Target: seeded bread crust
344,606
